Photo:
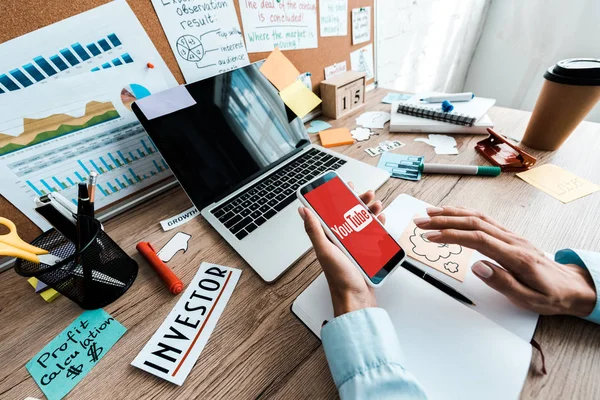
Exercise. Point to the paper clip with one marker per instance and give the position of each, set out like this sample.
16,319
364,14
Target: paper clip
500,152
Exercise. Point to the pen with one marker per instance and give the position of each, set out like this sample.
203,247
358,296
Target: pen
459,169
467,96
82,211
92,191
164,272
449,290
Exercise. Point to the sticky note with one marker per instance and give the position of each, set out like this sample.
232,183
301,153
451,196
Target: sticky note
299,99
317,126
174,348
279,70
450,259
48,294
336,137
558,183
401,166
68,358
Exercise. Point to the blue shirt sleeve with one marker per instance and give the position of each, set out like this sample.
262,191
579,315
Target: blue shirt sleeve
364,356
590,261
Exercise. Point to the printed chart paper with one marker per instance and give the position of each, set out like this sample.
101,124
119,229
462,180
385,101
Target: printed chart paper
450,259
113,37
333,17
361,25
204,35
335,69
71,355
362,60
174,348
53,135
289,25
558,183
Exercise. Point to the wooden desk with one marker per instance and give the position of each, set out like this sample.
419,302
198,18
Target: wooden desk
259,349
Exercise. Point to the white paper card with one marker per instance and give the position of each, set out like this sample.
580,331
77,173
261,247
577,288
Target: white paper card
362,60
174,348
166,102
205,36
333,17
361,25
289,25
335,69
442,144
179,219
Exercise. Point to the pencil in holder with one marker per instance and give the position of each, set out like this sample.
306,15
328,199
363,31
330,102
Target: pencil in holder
93,277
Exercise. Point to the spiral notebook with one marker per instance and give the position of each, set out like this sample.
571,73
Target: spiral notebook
465,113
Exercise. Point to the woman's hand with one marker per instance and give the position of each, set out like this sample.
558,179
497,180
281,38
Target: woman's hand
527,277
349,291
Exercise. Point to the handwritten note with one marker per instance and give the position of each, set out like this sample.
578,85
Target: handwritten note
361,25
333,17
299,99
68,358
335,69
204,35
362,60
558,183
287,24
450,259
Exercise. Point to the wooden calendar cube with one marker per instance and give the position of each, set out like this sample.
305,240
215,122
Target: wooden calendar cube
343,93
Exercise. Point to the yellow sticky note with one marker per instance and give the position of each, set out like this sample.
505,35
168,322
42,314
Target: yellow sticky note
299,99
49,295
450,259
336,137
558,183
279,70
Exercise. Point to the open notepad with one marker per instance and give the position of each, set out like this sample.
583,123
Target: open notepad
454,350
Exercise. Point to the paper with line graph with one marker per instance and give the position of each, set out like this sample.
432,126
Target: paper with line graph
109,36
53,135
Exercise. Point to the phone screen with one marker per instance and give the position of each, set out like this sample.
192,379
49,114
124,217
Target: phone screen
371,246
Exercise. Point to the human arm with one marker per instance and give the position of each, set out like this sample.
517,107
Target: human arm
360,343
525,275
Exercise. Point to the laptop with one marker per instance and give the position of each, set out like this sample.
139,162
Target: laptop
240,154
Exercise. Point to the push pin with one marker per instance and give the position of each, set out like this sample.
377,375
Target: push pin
150,65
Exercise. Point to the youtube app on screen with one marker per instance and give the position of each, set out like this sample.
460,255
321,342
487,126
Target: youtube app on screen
355,227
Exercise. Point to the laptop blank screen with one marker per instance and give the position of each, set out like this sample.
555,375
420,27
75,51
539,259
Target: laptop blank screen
238,128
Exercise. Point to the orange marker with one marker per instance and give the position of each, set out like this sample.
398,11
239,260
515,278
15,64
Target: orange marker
150,65
164,272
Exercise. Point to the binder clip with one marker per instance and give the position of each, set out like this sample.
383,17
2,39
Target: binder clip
500,152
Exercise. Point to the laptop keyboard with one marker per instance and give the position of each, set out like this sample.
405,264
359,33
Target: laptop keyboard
260,202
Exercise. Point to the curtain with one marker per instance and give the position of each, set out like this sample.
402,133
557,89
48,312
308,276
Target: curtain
427,45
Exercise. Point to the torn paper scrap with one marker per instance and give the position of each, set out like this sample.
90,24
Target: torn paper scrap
443,144
317,126
179,219
175,244
361,134
373,119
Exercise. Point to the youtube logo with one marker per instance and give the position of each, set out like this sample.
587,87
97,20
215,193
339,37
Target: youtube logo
355,220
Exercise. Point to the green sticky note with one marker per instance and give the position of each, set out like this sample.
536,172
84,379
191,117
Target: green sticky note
74,352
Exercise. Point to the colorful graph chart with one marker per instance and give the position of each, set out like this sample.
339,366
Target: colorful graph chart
36,131
41,68
132,93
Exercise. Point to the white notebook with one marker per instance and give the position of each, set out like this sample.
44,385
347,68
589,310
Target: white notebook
454,350
407,123
465,113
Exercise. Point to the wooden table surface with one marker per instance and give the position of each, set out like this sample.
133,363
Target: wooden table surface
259,349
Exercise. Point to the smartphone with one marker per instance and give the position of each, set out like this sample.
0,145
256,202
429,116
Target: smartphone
350,225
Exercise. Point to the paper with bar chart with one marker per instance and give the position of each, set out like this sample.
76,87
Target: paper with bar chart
52,136
113,37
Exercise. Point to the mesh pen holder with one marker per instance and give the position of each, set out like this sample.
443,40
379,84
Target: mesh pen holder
94,277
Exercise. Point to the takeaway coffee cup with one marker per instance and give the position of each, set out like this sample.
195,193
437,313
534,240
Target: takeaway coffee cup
571,89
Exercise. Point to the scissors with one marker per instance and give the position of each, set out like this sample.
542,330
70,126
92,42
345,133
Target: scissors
12,245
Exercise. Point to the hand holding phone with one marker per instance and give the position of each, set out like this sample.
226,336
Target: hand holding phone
349,290
348,223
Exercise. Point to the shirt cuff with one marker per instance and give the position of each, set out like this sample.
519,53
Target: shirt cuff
358,341
590,261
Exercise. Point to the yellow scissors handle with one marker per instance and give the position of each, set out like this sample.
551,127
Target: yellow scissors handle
12,241
10,251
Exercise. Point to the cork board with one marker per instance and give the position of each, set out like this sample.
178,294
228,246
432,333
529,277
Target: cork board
23,16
